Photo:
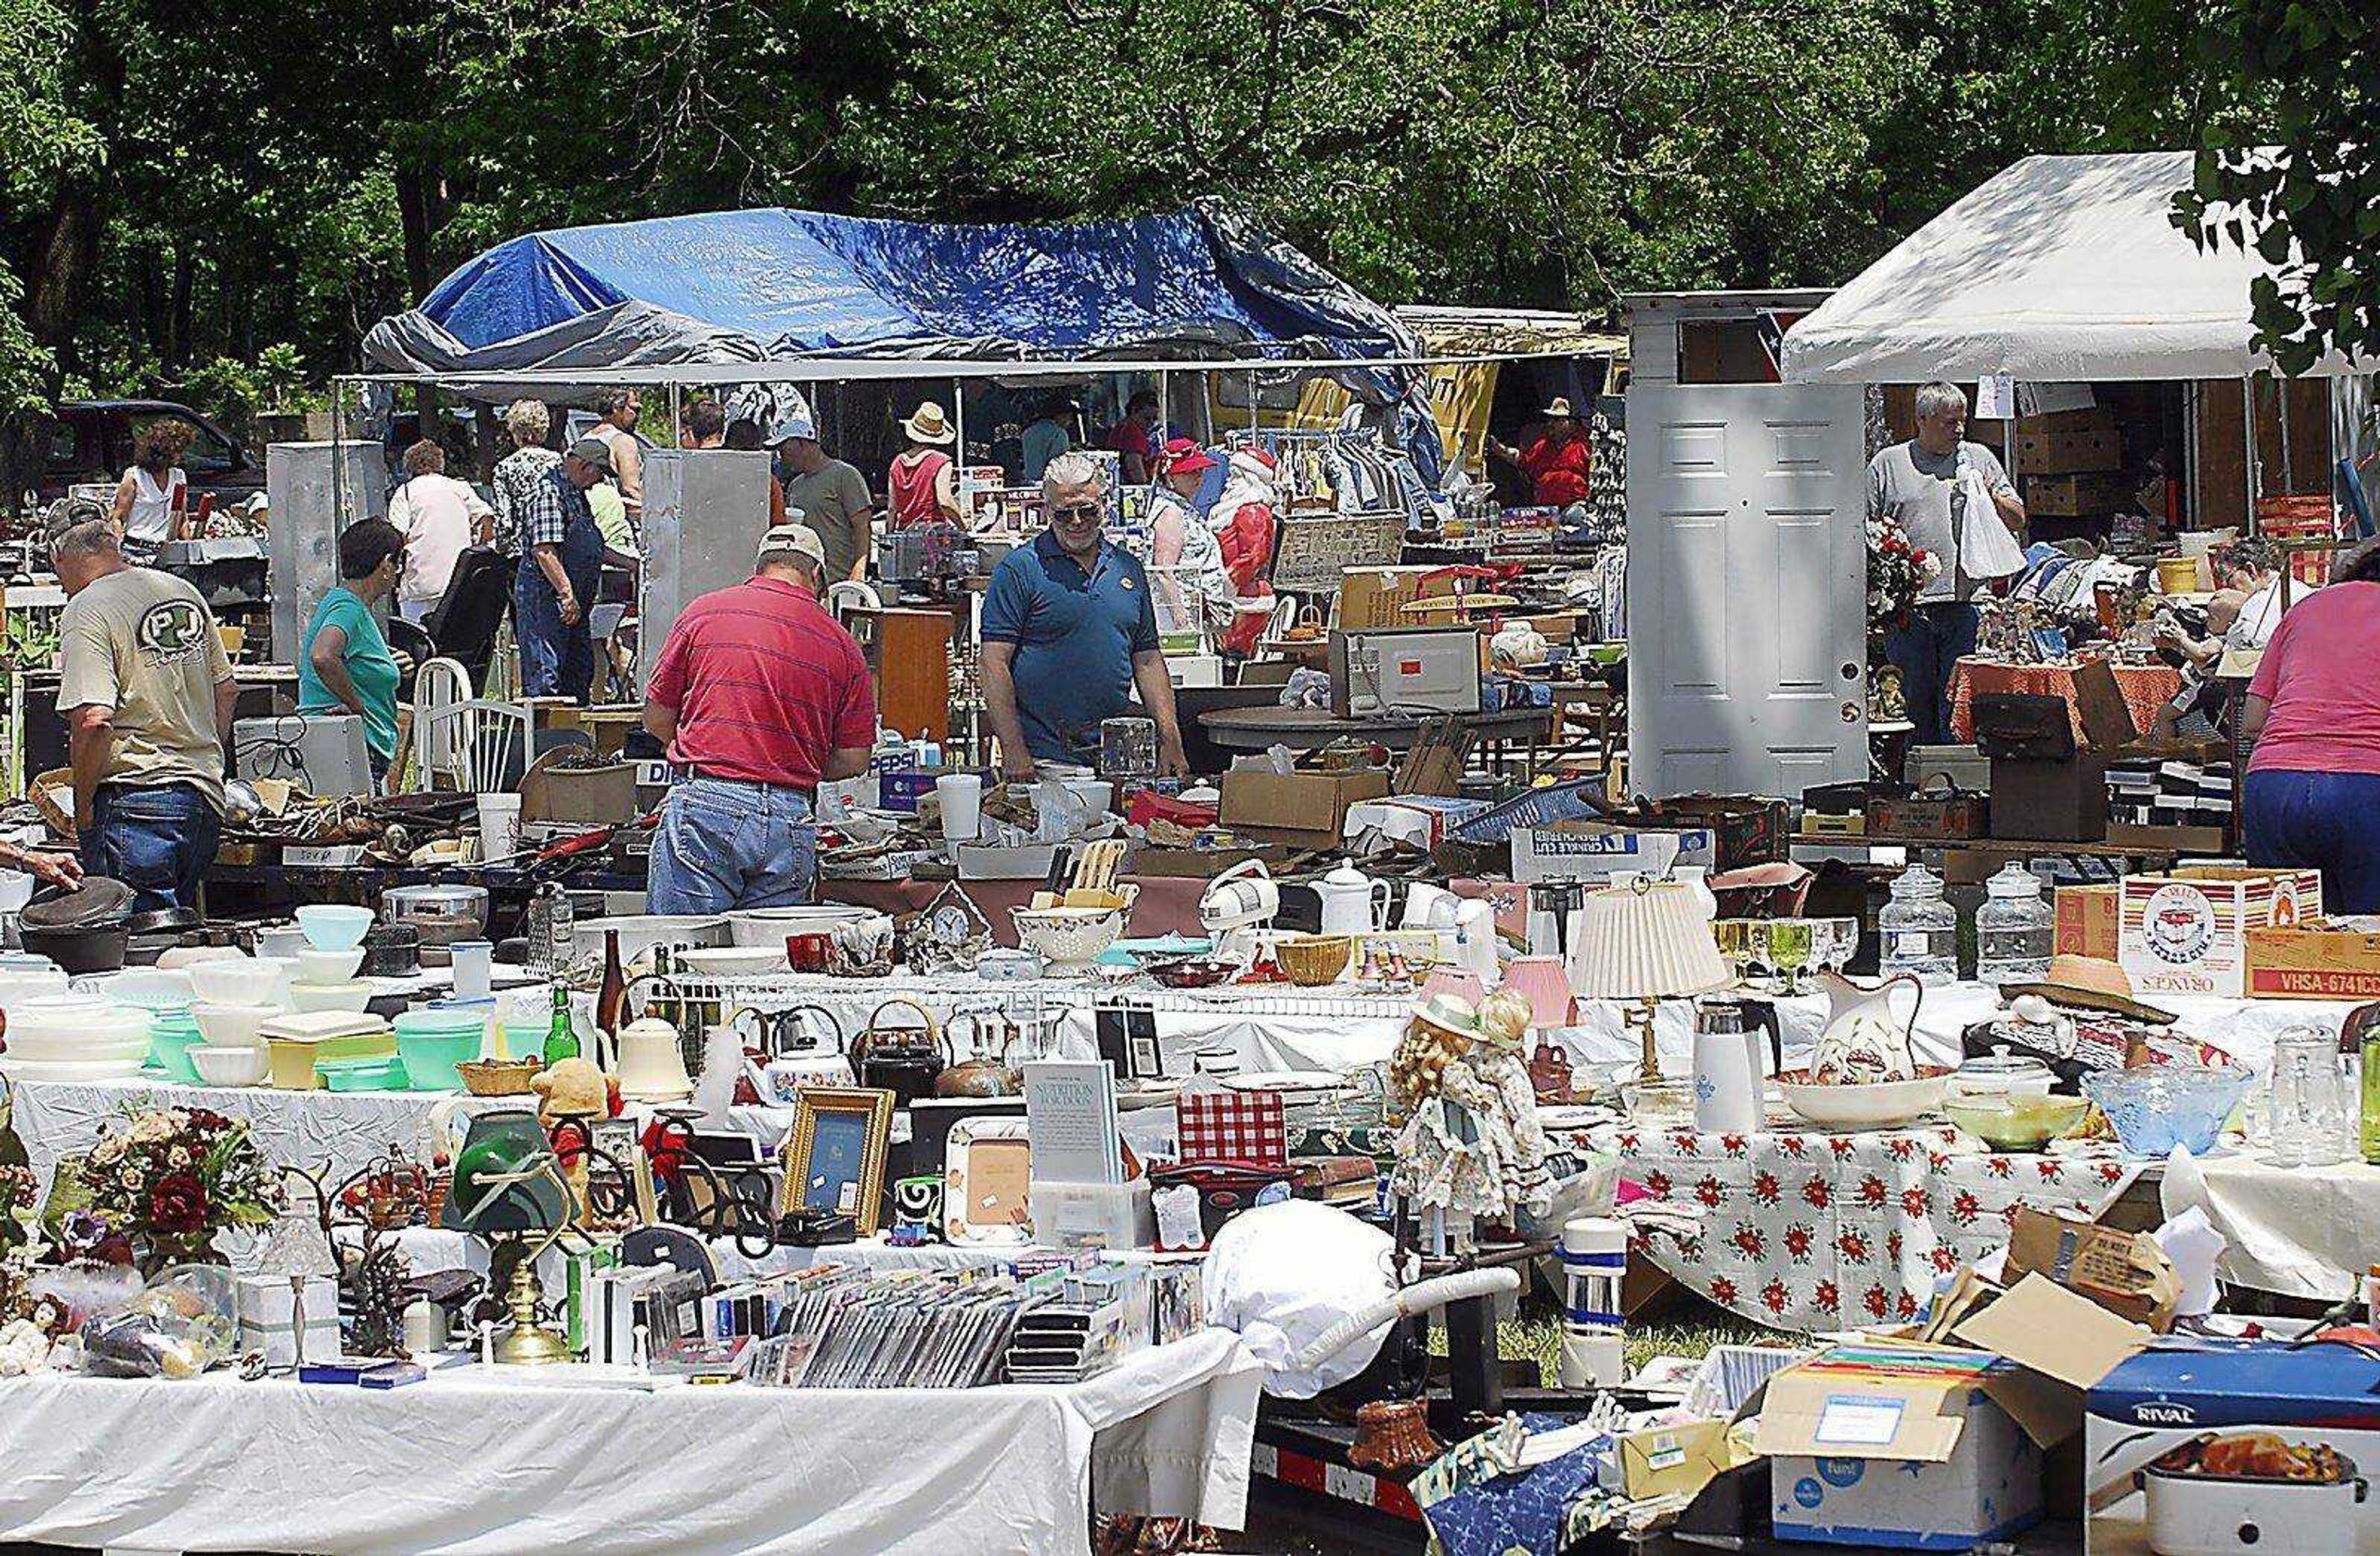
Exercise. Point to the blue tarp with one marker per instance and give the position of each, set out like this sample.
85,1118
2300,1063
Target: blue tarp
750,285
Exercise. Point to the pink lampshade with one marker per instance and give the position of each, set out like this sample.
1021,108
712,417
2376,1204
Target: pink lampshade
1543,979
1645,942
1461,985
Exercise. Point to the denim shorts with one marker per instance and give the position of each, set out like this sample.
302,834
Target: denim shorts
723,844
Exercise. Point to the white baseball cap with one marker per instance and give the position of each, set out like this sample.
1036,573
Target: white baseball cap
795,424
790,539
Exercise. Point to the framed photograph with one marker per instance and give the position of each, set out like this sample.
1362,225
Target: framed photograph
987,1185
834,1158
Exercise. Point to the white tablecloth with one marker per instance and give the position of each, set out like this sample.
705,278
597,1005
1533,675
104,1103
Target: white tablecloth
464,1463
2302,1230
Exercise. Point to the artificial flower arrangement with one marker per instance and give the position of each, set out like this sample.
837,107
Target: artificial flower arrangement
174,1177
1897,570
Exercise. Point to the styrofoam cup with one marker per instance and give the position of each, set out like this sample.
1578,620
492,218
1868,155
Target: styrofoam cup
962,797
500,825
472,971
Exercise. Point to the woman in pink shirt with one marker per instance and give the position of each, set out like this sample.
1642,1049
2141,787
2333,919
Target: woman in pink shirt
2313,794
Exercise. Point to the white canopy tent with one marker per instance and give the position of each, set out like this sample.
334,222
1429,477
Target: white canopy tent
2059,269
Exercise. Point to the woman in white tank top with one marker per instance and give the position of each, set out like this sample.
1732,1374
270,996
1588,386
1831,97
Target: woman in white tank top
152,499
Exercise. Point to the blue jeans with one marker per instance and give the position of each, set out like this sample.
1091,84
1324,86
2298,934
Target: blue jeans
1925,653
2328,821
556,660
722,843
158,839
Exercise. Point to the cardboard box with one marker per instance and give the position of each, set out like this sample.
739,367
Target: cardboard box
1884,1444
1375,597
268,1318
1420,820
2181,839
2086,920
2213,1393
1303,810
1674,1461
1937,817
2125,1272
601,796
1596,850
1965,766
2186,933
2312,964
2075,496
2067,443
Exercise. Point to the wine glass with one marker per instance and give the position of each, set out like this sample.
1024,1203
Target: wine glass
1789,945
1734,939
1841,939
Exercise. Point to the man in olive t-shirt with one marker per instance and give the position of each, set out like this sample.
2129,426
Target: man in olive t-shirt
833,497
147,692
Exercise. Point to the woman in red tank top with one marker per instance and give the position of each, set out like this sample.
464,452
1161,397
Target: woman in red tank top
922,485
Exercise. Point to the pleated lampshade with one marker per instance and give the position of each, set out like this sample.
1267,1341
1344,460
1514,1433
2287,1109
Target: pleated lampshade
1645,942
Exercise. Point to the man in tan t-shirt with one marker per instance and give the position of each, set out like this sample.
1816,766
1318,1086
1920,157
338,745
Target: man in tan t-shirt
147,692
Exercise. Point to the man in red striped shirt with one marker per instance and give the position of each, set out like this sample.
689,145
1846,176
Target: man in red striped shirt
757,697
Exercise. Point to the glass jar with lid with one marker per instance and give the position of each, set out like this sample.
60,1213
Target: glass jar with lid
2015,930
1919,930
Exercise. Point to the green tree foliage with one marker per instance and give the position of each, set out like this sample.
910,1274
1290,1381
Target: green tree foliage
184,184
2304,191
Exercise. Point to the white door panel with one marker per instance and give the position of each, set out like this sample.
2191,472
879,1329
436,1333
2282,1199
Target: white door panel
1747,536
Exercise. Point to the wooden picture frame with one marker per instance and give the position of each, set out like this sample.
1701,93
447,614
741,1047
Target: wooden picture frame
835,1155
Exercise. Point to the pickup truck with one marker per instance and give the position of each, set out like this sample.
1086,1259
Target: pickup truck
90,442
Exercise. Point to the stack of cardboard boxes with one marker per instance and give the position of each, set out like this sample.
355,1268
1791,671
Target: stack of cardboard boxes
2071,463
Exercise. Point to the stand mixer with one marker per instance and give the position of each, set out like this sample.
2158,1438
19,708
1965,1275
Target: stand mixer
1237,908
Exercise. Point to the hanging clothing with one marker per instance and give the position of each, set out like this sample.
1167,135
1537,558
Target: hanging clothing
1244,523
910,487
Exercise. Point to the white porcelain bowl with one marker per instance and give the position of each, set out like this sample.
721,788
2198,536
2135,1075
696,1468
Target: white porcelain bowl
331,996
234,981
759,927
233,1026
730,961
152,988
1873,1105
329,967
285,939
335,926
230,1066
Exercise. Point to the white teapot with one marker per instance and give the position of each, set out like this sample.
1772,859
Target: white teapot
1352,902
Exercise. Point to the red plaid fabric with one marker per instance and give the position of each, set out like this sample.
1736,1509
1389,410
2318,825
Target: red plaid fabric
1232,1126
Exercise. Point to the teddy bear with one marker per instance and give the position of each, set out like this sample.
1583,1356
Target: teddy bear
576,1090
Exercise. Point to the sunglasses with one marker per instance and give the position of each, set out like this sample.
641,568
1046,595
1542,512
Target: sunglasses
1079,512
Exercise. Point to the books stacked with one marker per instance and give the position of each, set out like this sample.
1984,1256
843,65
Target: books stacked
909,1329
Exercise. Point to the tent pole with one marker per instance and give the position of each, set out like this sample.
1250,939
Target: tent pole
677,414
1252,401
958,424
338,436
2250,476
2288,465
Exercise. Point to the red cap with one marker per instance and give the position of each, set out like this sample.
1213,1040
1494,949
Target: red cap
1185,455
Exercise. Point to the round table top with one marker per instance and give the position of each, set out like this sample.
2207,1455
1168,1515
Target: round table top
1302,728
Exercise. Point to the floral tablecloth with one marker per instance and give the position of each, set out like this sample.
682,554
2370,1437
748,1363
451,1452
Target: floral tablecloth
2146,688
1807,1231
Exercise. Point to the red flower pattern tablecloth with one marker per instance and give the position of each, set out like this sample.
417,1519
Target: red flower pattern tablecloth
2146,688
1805,1231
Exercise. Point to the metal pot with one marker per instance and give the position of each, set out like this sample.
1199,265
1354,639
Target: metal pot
905,1061
86,949
984,1075
401,905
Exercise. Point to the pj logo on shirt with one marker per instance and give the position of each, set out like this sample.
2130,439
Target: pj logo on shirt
171,631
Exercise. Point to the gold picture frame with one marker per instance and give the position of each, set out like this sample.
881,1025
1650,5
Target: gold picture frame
835,1155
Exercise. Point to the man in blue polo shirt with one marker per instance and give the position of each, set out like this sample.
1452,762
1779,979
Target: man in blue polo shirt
1068,632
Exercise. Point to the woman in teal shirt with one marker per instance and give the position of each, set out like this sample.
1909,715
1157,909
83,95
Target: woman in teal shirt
347,666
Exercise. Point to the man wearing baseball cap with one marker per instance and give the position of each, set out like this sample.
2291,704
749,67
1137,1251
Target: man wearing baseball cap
565,564
758,698
826,493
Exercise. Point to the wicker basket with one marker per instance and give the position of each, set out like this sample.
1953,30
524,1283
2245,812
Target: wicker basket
1312,961
53,795
498,1077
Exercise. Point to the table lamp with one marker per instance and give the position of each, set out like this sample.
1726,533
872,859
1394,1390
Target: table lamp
1642,943
508,1182
297,1248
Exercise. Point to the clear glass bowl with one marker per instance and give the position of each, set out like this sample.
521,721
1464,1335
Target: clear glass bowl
2158,1107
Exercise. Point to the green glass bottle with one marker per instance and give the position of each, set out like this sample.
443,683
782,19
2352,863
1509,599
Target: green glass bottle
560,1042
2371,1093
